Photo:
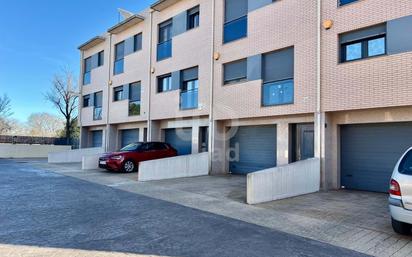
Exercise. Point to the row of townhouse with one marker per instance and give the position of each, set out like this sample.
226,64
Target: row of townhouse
258,83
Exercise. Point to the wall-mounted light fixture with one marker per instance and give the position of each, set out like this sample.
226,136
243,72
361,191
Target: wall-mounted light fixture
327,24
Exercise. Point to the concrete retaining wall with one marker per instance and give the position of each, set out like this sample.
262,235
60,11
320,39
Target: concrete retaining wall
176,167
281,182
29,151
73,155
90,162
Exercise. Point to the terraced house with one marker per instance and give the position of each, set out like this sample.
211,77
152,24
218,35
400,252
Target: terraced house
258,84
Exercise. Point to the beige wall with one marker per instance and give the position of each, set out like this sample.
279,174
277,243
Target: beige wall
99,82
136,69
189,49
30,151
377,82
275,26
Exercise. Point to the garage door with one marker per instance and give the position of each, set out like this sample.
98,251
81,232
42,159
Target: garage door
180,139
97,138
129,136
257,149
370,152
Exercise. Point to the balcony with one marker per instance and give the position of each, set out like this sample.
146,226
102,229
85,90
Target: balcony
278,93
189,99
235,29
87,78
164,50
134,108
118,67
97,113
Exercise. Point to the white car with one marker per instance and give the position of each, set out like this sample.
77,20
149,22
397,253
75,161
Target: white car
400,194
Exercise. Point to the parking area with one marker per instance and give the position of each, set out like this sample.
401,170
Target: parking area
352,219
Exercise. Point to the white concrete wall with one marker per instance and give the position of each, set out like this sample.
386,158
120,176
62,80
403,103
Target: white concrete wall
281,182
29,151
73,155
176,167
90,162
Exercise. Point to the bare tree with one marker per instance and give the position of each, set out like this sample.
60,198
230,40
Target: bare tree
62,96
44,125
5,113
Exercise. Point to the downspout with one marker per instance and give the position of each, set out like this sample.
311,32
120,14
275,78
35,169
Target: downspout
108,95
149,121
318,116
212,72
80,97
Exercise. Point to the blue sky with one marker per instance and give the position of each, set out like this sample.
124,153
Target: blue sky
40,37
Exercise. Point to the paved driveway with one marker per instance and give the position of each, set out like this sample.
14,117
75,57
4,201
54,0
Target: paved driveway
350,219
48,214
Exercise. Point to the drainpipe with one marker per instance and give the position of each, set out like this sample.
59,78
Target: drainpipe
149,121
212,72
319,120
108,96
79,115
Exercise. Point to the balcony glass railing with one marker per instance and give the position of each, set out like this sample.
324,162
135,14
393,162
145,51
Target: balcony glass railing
164,50
86,78
134,108
189,99
97,113
277,93
235,29
118,66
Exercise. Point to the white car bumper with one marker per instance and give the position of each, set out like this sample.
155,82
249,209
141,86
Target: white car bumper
398,212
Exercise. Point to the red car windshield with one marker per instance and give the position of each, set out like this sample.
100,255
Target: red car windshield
131,147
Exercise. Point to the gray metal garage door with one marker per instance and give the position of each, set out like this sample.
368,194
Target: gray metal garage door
257,149
129,136
370,152
180,139
97,138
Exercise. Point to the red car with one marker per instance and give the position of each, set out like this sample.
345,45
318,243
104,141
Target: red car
128,158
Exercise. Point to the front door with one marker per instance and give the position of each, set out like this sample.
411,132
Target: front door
305,142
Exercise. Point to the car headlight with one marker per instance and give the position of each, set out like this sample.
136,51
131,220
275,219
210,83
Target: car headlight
116,157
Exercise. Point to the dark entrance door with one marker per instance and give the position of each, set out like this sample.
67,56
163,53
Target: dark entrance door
303,142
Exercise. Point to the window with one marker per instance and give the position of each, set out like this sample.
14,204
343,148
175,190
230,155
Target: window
98,103
118,93
278,73
235,72
87,70
235,26
100,58
193,18
134,99
363,43
164,83
343,2
164,47
137,42
119,58
159,146
86,101
189,87
405,166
